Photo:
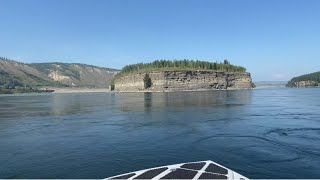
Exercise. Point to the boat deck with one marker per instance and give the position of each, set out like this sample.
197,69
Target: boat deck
191,170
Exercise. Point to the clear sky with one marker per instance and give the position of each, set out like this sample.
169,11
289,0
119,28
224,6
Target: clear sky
273,39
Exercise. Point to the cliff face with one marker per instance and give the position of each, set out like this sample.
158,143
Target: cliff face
184,80
308,83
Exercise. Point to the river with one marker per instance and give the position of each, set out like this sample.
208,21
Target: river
261,133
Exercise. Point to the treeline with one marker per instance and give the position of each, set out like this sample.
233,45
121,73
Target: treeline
19,90
182,65
307,77
5,59
26,89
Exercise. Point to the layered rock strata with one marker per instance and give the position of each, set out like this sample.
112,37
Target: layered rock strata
183,81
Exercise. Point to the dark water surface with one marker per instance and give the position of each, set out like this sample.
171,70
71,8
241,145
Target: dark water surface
262,133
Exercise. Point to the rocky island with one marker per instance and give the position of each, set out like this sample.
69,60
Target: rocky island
307,80
181,75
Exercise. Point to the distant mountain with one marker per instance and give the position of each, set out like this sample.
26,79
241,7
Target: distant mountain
16,74
307,80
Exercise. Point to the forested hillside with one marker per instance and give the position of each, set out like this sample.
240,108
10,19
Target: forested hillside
307,80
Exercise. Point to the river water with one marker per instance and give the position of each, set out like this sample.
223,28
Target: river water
261,133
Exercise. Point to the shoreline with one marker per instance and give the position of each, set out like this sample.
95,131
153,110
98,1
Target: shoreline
100,90
194,90
78,90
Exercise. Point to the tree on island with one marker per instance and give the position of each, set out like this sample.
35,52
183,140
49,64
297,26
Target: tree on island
176,65
147,81
112,87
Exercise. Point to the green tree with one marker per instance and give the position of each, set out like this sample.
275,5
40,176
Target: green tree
185,64
147,81
112,87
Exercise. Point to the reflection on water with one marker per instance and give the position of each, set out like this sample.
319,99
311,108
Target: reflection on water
43,105
148,101
265,133
134,101
65,105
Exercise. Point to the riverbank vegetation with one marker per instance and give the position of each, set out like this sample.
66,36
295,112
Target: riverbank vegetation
18,90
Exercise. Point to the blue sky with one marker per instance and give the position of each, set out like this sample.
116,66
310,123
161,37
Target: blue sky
273,39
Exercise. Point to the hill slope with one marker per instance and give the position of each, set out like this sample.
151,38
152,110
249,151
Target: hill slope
76,74
307,80
16,74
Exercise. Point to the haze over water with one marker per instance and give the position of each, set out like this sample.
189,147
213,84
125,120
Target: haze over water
262,133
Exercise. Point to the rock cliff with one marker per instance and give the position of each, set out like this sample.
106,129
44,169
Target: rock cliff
184,80
308,83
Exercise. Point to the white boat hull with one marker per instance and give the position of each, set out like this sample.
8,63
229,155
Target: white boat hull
192,170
